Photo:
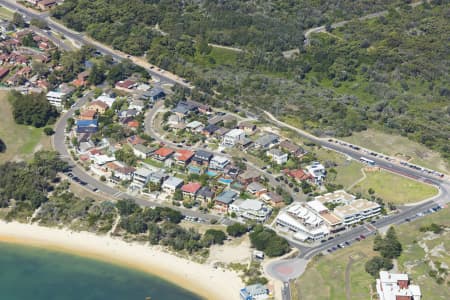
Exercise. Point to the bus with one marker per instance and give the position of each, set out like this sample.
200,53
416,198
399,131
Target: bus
367,161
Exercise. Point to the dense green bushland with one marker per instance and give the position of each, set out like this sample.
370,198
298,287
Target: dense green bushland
391,73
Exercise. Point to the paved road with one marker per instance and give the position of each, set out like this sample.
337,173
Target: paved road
82,39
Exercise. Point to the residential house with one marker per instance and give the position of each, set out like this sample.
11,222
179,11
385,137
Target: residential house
143,87
209,130
137,104
195,126
317,170
46,4
249,176
15,80
202,108
267,141
88,115
205,194
133,124
224,199
141,177
142,151
87,126
254,292
248,127
128,113
98,106
256,188
273,199
176,121
278,156
202,158
232,137
251,209
55,98
158,177
121,171
221,118
184,108
218,162
190,189
392,286
292,148
156,93
106,99
298,174
135,140
163,153
183,157
171,184
81,79
125,85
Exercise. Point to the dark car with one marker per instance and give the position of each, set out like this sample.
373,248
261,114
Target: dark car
362,236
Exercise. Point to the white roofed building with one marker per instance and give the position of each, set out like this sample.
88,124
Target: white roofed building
396,287
232,137
301,219
251,209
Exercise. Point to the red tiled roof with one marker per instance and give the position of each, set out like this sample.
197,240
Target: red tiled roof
134,124
125,83
163,152
135,140
88,113
95,151
3,72
297,174
183,155
99,104
191,187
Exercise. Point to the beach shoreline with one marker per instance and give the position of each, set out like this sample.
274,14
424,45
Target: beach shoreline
201,279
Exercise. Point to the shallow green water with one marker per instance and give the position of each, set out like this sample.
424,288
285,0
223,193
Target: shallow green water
28,273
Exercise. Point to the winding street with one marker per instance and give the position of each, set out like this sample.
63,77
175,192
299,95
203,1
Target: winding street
59,144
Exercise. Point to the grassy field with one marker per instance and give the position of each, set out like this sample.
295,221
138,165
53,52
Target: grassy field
217,56
21,141
400,147
325,277
394,188
5,13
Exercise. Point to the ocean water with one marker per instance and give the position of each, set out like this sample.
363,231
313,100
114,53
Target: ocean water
29,273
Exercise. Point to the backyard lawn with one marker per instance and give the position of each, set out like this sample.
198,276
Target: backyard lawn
394,188
21,141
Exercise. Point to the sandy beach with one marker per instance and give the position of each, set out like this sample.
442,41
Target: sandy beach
202,279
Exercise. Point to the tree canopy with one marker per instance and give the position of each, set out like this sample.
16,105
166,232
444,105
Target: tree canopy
32,109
